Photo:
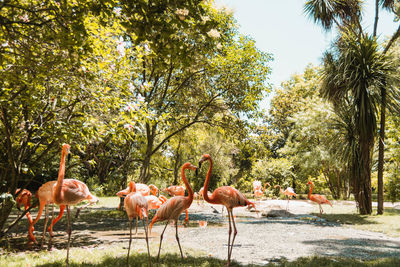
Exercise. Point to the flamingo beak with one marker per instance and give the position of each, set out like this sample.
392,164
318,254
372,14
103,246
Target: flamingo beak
197,171
69,158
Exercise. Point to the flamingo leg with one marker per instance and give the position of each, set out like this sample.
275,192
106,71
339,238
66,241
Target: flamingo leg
161,238
234,234
177,237
136,225
187,217
45,225
69,231
229,237
60,214
130,241
51,228
147,238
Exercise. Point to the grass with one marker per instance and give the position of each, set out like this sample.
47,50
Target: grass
388,223
116,256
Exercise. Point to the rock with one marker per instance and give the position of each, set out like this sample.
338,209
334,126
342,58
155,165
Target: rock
276,213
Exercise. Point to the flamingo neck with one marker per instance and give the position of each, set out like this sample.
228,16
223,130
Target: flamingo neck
132,187
61,174
205,187
309,193
188,187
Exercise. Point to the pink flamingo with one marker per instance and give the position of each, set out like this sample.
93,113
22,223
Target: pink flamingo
154,202
174,207
45,196
227,196
136,206
289,193
319,199
70,192
141,188
24,198
177,190
259,192
153,189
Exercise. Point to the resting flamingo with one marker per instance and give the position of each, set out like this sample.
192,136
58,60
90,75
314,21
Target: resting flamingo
289,193
319,199
154,202
136,206
227,196
45,196
174,206
70,192
153,189
24,198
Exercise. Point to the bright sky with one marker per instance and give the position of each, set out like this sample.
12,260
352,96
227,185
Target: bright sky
281,28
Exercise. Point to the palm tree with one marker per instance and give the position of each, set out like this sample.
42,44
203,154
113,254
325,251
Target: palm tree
356,69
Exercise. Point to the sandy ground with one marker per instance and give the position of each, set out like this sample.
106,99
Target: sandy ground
260,239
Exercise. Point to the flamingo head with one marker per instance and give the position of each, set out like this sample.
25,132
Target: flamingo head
204,158
309,182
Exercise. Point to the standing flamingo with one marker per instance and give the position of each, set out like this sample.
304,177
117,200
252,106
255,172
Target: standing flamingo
289,193
259,192
319,199
24,198
45,196
70,192
174,207
227,196
177,190
141,188
136,206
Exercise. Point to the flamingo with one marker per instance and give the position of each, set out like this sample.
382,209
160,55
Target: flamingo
155,202
289,193
70,192
319,199
153,189
24,198
174,207
45,196
177,190
141,188
226,196
259,192
136,206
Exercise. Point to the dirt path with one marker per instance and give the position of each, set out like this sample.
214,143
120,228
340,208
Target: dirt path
260,239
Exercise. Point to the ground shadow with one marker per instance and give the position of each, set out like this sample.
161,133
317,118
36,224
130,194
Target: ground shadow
356,247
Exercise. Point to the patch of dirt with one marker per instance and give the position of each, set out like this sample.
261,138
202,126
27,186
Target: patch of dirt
266,235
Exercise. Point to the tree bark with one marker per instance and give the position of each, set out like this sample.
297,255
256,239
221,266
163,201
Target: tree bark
381,150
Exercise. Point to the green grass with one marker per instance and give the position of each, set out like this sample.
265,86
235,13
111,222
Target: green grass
116,256
388,223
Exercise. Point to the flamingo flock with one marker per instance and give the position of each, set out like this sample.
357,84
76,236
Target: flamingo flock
140,198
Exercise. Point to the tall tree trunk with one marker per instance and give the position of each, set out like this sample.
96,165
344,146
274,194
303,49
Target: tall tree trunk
381,150
145,168
363,181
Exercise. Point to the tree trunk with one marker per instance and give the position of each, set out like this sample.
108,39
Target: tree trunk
6,207
145,168
363,179
381,151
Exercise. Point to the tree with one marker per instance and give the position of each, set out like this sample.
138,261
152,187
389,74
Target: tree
195,69
43,95
360,76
